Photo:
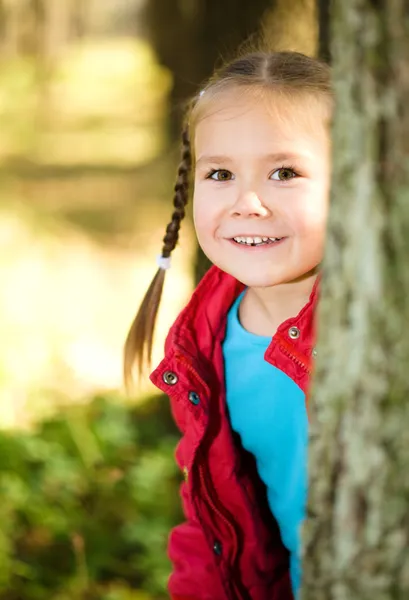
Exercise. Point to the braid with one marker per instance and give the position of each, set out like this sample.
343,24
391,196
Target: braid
180,198
138,344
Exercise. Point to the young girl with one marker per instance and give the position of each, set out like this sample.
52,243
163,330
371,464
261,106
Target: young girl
239,357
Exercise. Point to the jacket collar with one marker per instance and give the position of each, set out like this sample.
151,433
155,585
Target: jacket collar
203,321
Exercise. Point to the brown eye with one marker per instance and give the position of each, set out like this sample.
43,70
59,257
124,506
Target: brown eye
284,174
221,175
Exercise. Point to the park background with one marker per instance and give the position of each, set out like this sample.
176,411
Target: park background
91,97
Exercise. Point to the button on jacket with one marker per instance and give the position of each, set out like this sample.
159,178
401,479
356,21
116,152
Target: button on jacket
229,547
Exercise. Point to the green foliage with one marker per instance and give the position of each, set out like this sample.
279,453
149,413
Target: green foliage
87,501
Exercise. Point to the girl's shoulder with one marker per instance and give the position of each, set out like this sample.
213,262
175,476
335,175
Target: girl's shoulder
207,309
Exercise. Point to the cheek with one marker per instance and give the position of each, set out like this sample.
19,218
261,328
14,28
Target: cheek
310,218
311,222
202,216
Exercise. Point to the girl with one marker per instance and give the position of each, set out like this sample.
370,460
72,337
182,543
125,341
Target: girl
239,357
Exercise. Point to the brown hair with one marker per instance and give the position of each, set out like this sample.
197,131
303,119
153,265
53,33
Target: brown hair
290,74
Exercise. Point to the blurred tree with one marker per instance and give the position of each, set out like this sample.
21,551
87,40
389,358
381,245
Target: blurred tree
292,25
323,14
41,28
191,37
24,25
357,538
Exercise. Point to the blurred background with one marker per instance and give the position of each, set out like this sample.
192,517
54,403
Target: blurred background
91,100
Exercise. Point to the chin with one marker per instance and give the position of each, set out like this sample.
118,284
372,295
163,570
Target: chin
264,278
254,279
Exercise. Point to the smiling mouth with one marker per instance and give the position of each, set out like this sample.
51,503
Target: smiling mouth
255,241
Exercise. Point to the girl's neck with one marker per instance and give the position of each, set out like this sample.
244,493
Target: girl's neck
262,310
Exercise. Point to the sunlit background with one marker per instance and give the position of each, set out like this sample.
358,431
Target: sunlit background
91,95
86,192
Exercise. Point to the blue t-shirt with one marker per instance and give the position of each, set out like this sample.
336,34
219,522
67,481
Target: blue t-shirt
267,409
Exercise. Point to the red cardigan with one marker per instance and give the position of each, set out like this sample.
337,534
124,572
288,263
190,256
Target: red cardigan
229,547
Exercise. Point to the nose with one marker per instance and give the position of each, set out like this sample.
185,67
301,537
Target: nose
249,204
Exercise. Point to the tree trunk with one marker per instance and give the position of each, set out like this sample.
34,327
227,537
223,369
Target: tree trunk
356,539
189,37
324,12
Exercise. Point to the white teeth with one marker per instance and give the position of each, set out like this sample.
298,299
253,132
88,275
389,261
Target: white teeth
249,241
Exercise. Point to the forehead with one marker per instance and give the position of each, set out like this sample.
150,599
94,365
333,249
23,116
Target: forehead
234,124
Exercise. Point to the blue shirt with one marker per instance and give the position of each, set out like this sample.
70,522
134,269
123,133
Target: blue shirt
267,409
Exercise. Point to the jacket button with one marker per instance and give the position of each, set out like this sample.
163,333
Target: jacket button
217,548
194,398
294,333
170,377
185,474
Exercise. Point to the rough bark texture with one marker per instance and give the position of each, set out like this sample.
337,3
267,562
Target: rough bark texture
356,539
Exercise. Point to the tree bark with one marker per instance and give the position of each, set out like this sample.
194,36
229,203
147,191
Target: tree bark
356,539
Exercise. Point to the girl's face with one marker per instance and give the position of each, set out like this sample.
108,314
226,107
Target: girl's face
261,189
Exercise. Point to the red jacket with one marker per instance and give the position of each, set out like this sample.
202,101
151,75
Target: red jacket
229,548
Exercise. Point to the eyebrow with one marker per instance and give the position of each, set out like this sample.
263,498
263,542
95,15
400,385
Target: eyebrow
275,157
